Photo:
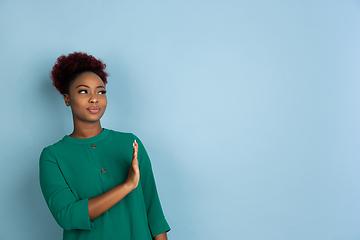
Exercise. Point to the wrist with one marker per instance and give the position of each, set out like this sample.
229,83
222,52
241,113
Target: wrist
128,186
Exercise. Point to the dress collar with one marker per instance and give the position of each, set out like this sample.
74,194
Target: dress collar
93,139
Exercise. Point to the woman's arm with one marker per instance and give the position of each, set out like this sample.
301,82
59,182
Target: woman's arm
100,204
162,236
68,211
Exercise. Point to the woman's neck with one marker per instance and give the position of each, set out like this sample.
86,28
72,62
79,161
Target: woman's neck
86,130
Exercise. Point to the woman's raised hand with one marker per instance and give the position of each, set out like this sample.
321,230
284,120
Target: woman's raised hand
134,173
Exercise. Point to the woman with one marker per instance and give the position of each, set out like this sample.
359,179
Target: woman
97,183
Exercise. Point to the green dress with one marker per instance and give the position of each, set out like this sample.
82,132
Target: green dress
74,170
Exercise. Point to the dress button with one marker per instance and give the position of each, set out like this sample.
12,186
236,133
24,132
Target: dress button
103,170
93,145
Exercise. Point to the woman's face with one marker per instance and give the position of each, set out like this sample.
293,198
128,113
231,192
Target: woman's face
87,98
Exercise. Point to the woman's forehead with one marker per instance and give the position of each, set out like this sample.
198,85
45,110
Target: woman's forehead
88,78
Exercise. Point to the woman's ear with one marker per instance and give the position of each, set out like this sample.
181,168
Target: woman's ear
67,99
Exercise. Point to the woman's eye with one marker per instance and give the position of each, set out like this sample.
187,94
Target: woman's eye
82,91
102,92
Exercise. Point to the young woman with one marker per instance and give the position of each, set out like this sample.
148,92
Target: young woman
98,183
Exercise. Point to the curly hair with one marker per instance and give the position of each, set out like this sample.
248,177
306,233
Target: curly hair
67,68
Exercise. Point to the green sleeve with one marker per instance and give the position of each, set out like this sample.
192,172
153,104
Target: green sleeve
156,219
68,211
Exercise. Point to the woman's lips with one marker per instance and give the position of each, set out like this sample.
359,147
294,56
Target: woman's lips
94,109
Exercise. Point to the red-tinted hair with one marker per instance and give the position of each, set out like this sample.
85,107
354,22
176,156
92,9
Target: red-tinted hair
67,68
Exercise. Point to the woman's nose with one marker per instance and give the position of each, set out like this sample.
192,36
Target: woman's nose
93,99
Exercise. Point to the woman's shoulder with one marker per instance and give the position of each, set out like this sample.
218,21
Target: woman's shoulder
57,145
116,136
114,133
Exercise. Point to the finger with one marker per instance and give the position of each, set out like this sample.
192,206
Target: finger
134,159
135,149
135,164
136,168
135,145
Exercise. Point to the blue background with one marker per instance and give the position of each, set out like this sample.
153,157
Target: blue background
248,109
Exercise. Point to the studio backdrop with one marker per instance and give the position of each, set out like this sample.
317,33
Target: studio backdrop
249,110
